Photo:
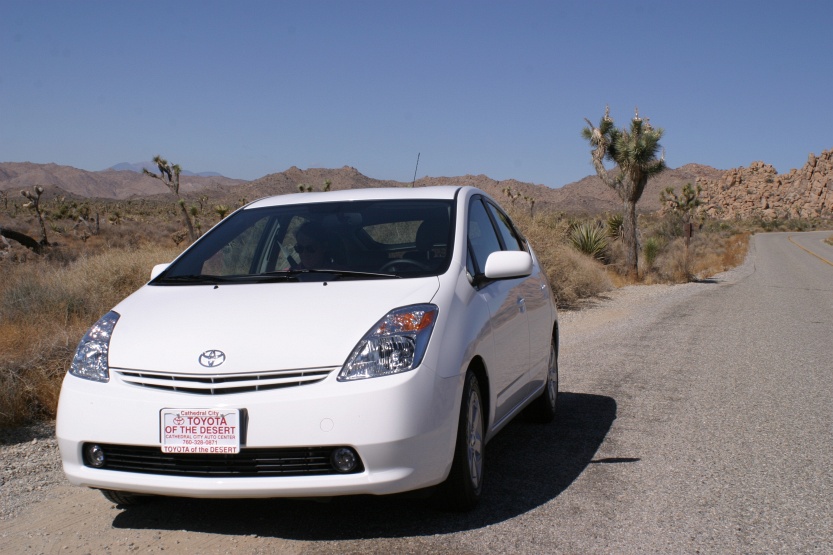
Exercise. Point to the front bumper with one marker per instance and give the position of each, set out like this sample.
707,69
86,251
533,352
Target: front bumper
402,426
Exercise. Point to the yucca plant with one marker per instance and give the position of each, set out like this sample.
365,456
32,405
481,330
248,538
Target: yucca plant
614,226
650,249
590,239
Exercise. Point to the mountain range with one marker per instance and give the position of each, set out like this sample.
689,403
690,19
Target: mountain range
139,166
125,181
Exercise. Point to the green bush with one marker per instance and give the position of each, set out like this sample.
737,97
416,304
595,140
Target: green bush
590,238
615,222
650,250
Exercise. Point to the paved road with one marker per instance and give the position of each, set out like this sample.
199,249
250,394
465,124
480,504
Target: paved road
725,397
694,419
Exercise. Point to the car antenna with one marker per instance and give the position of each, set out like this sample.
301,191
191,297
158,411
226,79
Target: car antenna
415,170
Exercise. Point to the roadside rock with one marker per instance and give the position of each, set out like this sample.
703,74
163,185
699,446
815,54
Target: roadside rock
759,191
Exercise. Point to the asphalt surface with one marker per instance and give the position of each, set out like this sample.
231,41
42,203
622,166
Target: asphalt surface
693,419
725,397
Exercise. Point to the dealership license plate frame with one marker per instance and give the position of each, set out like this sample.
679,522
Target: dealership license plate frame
200,431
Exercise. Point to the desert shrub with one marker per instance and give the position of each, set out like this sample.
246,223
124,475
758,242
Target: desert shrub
732,254
590,239
707,255
650,250
85,289
574,276
615,258
799,225
615,223
672,264
45,308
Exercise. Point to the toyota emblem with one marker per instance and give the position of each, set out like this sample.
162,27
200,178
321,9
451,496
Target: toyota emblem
212,358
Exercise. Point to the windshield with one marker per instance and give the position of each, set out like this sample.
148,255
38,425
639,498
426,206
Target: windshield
380,239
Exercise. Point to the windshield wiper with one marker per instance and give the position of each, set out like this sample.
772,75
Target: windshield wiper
299,273
190,280
354,273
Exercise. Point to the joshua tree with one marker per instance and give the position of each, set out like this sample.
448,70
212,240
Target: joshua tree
683,207
169,175
513,195
222,210
634,151
34,203
683,204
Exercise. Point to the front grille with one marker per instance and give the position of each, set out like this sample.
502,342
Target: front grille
223,384
287,461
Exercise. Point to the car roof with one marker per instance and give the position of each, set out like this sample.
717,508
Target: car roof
447,192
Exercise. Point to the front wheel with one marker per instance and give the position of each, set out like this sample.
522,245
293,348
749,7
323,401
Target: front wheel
461,490
543,408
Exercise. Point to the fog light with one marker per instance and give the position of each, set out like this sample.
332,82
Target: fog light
94,455
344,459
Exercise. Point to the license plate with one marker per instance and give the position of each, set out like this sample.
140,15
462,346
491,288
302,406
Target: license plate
200,430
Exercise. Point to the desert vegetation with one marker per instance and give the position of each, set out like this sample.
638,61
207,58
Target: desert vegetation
634,152
101,251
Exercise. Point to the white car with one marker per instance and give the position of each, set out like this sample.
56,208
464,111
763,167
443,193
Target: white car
314,345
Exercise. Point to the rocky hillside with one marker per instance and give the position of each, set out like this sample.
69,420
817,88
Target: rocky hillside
589,195
108,184
742,192
592,195
759,191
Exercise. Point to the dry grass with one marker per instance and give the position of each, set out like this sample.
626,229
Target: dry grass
572,275
45,308
47,302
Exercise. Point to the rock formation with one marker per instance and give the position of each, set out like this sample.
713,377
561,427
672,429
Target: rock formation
759,191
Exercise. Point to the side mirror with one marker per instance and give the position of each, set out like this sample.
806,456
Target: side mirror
158,269
508,264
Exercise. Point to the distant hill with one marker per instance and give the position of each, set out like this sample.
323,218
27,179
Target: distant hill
107,184
589,195
139,166
125,181
757,190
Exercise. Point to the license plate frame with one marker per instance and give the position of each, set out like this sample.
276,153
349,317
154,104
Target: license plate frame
200,431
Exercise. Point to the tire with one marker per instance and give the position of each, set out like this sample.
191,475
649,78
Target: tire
123,498
543,408
461,490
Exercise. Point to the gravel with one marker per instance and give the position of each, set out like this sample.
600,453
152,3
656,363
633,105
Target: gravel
31,464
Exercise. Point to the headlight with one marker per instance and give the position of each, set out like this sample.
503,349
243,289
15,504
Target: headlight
395,344
90,361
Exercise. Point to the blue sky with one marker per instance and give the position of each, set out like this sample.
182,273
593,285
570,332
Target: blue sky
496,88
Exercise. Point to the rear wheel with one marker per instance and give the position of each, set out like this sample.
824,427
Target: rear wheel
543,408
123,498
461,490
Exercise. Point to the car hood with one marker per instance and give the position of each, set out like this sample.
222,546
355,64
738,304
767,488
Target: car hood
258,327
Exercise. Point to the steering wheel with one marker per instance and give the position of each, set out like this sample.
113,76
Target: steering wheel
390,265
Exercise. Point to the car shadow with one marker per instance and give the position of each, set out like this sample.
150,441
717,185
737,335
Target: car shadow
527,465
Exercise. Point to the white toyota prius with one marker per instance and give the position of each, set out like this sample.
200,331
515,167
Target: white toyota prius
314,345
